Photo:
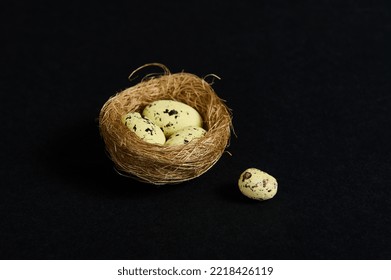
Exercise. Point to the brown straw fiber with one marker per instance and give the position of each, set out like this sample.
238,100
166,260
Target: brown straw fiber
159,164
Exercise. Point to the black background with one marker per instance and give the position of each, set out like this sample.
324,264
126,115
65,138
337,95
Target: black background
309,86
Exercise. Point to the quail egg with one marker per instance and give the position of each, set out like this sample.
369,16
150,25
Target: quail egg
257,184
172,116
144,128
185,135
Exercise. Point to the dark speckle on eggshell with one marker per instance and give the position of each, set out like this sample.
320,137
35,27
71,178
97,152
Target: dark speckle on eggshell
173,112
170,112
246,175
150,131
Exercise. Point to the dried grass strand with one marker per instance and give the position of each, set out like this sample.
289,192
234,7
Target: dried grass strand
132,76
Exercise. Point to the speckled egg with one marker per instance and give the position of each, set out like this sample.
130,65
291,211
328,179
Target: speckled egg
172,116
257,184
144,128
185,135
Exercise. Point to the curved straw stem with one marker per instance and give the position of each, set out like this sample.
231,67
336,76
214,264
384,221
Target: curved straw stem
213,78
165,69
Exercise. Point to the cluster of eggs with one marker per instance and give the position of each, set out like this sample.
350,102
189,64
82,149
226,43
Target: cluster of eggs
166,122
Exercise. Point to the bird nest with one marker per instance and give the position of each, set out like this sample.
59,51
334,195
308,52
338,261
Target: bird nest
160,164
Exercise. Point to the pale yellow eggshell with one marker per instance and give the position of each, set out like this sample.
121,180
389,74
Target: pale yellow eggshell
257,184
185,135
172,116
144,128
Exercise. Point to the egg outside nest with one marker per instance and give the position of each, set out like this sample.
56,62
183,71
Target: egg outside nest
159,164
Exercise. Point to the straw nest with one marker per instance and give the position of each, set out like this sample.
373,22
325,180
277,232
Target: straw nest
159,164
